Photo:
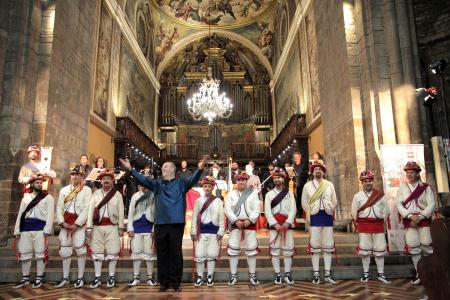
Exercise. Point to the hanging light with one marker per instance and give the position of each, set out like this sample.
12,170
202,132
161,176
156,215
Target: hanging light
208,103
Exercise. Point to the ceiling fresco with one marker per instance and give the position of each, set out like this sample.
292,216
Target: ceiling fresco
224,14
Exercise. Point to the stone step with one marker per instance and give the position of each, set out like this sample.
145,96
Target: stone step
221,274
262,261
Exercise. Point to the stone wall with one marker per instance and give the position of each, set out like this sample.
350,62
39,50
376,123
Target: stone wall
45,77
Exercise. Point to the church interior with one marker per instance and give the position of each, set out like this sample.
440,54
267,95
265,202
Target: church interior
361,84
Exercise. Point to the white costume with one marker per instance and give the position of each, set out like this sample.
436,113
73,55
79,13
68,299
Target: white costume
38,221
212,225
280,242
249,210
417,239
142,247
141,216
320,213
73,211
106,237
31,169
370,226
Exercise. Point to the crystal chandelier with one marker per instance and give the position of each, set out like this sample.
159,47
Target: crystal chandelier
208,103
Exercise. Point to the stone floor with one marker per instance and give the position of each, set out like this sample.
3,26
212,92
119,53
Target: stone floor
345,289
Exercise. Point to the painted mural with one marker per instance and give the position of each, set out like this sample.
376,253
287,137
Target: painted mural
288,90
221,13
103,66
139,17
136,94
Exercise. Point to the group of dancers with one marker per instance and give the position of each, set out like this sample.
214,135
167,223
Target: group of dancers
93,224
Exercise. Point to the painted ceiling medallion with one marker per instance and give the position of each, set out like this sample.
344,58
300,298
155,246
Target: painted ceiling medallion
223,13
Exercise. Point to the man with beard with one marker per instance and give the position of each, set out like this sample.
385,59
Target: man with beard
170,211
33,225
105,226
141,218
416,205
369,211
207,230
183,172
319,202
71,214
33,168
280,211
242,210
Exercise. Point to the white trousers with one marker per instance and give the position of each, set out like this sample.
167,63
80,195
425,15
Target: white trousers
31,242
207,247
372,243
105,238
70,241
418,240
321,239
250,242
142,247
281,243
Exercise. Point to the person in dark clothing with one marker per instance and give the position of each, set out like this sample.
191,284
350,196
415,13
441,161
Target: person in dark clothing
184,171
170,211
301,169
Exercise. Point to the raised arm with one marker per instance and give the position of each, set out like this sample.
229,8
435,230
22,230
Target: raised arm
141,179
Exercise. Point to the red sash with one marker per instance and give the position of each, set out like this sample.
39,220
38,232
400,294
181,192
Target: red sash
422,223
105,222
414,196
281,219
70,218
373,199
370,225
204,208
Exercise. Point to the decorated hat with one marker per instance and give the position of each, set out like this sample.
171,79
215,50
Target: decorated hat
318,163
366,174
241,175
35,178
278,172
412,165
105,173
33,148
77,170
208,180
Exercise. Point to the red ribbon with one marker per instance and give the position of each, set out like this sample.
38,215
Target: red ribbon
14,245
46,256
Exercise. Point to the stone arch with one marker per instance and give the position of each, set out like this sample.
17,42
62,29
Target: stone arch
179,45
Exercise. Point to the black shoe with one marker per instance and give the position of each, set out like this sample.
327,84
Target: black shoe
163,288
177,288
23,282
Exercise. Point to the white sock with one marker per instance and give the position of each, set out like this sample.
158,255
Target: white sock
251,261
26,267
211,264
98,268
66,266
40,266
315,261
379,260
415,259
81,265
112,267
287,264
327,256
276,264
200,266
233,264
136,266
366,263
149,268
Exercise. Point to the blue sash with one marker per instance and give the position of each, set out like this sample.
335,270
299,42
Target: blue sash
142,225
32,224
321,219
209,228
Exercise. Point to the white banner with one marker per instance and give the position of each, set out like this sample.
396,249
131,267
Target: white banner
393,160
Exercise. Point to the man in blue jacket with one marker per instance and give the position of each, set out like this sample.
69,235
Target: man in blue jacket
170,210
